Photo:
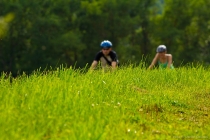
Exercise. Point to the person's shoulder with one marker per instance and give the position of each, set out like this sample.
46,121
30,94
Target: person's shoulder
169,55
98,55
113,52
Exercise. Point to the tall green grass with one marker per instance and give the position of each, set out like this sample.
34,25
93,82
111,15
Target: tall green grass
129,103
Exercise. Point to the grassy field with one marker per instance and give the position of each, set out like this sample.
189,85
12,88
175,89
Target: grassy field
131,103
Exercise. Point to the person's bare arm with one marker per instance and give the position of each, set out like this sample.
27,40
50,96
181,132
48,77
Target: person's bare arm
93,65
169,56
114,64
154,61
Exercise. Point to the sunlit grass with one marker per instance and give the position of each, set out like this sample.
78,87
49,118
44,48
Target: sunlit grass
129,103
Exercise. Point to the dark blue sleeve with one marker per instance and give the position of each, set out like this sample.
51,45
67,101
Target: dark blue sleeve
98,56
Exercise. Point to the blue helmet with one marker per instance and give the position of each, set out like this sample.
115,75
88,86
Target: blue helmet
161,48
106,44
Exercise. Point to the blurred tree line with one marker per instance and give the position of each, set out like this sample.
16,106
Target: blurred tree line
44,34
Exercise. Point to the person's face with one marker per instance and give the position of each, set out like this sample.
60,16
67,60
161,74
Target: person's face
106,51
162,54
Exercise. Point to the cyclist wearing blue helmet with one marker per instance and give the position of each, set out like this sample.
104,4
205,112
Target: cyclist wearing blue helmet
164,60
106,56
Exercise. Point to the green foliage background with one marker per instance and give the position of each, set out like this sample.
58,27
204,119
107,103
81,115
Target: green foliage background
44,34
